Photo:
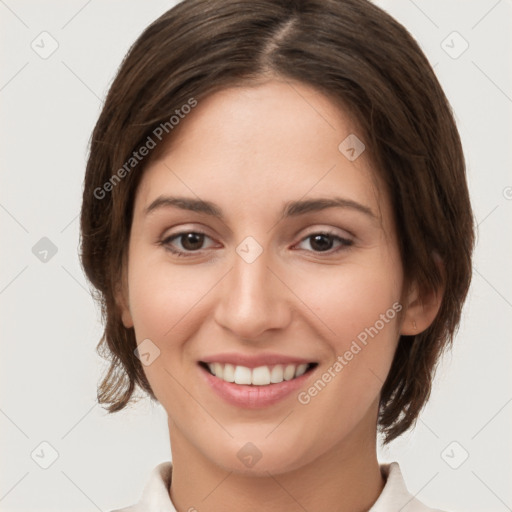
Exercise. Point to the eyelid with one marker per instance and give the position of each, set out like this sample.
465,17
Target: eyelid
312,231
346,242
165,241
329,231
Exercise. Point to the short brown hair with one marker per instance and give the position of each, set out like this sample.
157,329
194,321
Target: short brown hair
357,55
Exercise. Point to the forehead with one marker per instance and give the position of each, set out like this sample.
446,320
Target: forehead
261,146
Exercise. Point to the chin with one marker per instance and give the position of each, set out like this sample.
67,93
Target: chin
262,456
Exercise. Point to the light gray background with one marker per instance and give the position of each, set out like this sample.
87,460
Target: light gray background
50,325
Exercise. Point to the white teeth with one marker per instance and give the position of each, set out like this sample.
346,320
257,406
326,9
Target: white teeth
301,370
218,370
243,375
289,372
276,375
260,376
229,373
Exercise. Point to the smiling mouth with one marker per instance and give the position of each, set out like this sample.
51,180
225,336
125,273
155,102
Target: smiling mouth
260,376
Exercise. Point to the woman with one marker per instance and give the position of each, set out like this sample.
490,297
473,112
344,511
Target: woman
277,221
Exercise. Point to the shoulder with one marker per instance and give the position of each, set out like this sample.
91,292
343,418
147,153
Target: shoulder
155,495
395,495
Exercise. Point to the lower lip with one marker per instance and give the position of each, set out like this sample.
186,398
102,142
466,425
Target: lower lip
254,397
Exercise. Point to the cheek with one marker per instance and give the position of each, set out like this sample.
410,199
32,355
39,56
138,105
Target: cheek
162,295
357,307
360,308
350,298
166,306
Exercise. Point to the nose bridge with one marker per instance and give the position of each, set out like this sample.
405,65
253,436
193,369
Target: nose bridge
251,298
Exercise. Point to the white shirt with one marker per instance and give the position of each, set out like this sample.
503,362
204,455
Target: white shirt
393,498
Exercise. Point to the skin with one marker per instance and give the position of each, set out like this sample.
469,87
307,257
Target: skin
250,150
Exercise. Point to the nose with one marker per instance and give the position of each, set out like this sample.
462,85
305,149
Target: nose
252,299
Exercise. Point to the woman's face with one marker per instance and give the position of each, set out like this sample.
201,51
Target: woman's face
277,279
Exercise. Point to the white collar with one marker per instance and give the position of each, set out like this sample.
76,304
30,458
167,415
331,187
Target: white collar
393,498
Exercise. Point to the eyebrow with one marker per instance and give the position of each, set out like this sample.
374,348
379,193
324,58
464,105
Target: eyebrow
290,209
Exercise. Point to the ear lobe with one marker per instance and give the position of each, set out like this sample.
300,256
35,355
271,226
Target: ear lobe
123,305
422,306
126,317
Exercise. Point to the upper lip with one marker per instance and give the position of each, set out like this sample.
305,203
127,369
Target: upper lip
264,359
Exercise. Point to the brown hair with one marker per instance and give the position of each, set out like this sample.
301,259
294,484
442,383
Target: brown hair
357,55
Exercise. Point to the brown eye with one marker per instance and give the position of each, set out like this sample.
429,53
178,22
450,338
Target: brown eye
323,242
190,242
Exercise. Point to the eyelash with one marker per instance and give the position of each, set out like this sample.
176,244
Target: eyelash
345,243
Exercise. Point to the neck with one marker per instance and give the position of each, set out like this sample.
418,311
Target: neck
346,478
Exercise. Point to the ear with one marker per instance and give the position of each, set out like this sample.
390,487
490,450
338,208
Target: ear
122,302
422,306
